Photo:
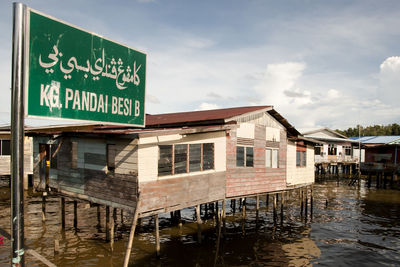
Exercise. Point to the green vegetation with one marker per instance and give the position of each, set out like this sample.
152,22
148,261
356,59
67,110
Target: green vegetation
376,130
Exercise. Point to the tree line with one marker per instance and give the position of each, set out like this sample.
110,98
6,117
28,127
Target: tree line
375,130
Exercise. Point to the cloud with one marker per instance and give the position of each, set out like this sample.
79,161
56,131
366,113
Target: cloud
280,86
214,95
389,77
208,106
152,99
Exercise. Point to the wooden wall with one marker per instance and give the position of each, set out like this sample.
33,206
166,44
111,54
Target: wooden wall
178,193
258,179
299,175
82,170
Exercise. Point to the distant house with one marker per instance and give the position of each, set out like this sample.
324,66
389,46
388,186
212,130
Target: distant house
179,160
381,149
334,147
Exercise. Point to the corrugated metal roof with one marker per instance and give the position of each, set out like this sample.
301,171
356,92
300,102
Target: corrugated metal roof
177,120
217,115
378,139
334,139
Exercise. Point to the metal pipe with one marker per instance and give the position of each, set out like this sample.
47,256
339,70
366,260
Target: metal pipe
17,135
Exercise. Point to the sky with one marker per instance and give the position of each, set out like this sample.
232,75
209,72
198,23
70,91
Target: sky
321,63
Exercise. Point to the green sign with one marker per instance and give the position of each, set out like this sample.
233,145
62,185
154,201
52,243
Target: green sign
74,74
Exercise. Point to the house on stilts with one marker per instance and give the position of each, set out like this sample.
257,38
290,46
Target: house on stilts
335,153
178,160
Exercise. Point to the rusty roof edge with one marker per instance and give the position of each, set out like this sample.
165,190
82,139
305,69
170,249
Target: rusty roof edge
307,139
261,110
290,128
185,131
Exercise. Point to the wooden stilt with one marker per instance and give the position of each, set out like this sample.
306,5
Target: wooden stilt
369,179
266,201
62,213
107,223
306,204
122,216
98,217
282,204
392,180
199,222
274,207
311,201
44,207
384,179
218,240
233,206
301,201
56,246
132,234
156,223
244,209
224,215
216,213
75,214
115,215
112,226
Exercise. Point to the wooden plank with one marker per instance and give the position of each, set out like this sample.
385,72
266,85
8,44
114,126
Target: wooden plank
95,159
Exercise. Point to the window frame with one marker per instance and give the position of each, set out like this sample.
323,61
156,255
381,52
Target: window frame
188,159
245,155
301,156
2,147
271,158
332,150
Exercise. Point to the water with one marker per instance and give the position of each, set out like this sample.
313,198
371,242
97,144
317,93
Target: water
349,226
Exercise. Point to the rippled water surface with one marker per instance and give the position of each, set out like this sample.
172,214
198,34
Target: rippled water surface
349,226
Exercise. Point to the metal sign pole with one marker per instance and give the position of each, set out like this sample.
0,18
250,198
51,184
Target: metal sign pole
17,136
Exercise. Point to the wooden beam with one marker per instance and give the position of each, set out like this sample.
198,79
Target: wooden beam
199,222
132,233
157,235
62,213
107,223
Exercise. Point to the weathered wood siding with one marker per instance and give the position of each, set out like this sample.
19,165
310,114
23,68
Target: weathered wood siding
177,193
299,175
257,179
28,159
82,169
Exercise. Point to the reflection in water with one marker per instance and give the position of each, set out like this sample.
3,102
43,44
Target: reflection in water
350,226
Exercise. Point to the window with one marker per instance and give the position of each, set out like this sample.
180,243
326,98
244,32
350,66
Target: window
301,156
208,156
185,158
317,150
271,158
53,155
165,160
5,148
332,150
268,158
180,159
275,158
110,157
347,150
194,157
244,156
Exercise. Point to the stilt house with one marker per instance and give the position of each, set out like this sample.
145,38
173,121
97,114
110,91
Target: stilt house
334,150
179,160
5,156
